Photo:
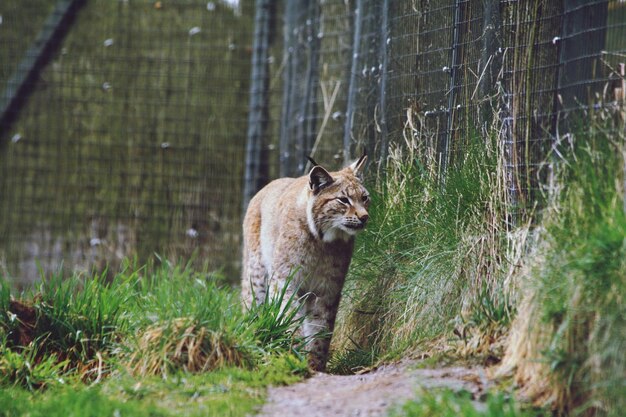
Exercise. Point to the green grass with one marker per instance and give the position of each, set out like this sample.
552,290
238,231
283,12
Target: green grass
453,404
224,392
441,272
150,341
577,286
429,257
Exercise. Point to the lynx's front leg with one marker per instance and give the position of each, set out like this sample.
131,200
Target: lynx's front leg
319,322
254,279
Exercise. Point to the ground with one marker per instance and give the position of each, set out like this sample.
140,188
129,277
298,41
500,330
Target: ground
370,394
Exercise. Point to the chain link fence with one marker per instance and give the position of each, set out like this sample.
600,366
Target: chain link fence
148,122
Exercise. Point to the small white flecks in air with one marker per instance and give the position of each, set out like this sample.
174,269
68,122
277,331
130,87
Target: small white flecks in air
233,4
16,138
95,241
210,6
192,233
108,42
194,30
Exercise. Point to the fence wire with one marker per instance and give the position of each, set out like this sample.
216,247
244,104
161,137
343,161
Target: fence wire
131,139
150,124
442,76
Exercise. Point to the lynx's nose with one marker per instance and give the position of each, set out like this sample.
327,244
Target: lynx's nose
364,218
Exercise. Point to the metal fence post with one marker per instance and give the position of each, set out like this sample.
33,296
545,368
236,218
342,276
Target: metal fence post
491,59
34,60
445,158
382,90
308,107
289,74
352,88
256,174
583,36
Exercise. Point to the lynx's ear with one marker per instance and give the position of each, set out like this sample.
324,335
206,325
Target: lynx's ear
312,161
319,178
359,165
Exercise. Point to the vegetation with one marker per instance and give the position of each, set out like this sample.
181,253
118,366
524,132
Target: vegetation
568,339
441,273
453,404
451,281
151,341
431,262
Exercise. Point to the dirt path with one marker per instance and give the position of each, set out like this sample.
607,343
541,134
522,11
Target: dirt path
370,394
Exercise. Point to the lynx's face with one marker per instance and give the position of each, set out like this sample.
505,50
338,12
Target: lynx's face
338,202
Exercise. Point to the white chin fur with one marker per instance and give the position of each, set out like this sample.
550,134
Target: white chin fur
335,233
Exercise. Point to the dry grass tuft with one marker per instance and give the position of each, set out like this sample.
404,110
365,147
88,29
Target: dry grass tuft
521,357
184,345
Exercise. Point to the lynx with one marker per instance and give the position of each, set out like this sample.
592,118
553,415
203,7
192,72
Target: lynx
300,232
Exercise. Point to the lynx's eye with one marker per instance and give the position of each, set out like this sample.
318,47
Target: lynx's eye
344,200
366,198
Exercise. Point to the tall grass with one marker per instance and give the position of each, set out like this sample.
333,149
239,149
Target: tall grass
441,266
433,255
78,318
568,341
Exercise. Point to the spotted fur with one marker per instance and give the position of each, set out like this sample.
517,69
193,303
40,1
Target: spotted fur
304,228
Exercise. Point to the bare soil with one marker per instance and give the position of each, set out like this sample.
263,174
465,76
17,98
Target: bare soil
370,394
26,317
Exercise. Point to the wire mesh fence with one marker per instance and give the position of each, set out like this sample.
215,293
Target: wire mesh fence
131,137
442,76
151,123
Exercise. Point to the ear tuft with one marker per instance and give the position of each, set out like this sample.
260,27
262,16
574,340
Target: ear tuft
319,178
312,161
358,166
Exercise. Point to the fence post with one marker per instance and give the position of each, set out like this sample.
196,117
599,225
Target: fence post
308,107
583,33
582,40
491,60
256,173
382,103
289,74
17,87
445,158
352,87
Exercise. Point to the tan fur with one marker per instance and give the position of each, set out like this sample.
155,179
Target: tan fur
304,228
